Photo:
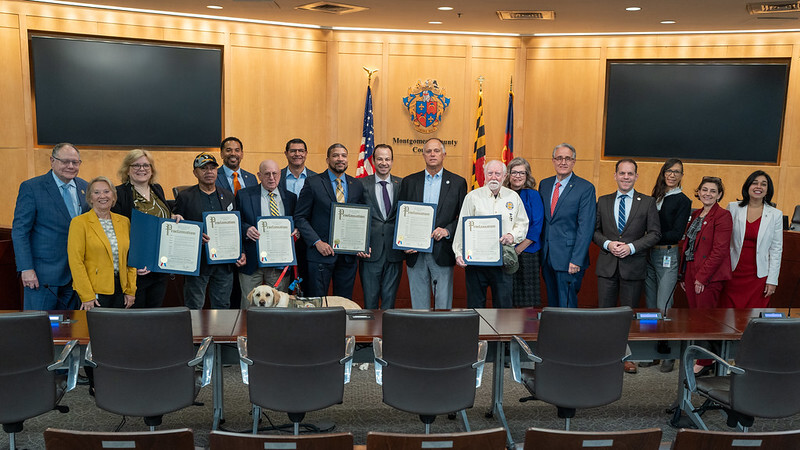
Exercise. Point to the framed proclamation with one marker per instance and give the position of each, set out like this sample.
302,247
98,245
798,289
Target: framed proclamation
224,230
481,240
276,244
349,228
413,226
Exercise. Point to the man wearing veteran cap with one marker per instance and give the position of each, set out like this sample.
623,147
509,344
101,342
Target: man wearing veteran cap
191,203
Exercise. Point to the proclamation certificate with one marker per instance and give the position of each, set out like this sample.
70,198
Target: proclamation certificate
481,245
275,243
349,228
225,236
179,247
413,226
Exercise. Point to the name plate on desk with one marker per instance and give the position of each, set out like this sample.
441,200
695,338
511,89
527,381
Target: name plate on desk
771,315
649,316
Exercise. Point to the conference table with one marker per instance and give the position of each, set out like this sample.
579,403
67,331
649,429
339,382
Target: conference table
680,327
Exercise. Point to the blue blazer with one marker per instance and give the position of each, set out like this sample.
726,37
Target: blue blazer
312,216
41,227
567,233
248,203
248,178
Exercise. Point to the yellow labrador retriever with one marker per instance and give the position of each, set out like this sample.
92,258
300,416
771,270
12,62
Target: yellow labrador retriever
269,297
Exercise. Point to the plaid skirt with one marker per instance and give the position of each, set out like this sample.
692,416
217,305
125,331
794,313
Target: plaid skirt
526,291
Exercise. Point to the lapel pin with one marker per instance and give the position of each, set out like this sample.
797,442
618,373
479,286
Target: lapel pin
447,182
638,198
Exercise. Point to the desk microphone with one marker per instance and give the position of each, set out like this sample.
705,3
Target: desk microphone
666,305
434,294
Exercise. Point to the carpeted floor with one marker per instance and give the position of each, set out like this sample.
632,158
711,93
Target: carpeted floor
644,399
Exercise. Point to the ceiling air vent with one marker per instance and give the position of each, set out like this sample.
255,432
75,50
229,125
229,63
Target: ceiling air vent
773,8
331,8
526,15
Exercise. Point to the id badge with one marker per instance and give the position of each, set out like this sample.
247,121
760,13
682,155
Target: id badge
667,262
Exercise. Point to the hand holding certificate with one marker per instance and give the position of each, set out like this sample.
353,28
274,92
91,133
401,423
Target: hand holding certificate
163,245
413,226
481,244
275,242
225,239
349,228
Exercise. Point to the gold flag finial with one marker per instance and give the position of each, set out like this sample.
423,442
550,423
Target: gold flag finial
481,79
369,73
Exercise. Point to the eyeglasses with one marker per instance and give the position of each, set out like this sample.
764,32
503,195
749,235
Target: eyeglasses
563,159
673,172
68,162
140,166
517,173
270,174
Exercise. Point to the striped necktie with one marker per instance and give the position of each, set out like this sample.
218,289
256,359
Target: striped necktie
621,216
339,191
273,205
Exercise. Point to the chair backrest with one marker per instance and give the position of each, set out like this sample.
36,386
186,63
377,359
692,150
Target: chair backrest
429,357
795,218
540,438
492,439
719,440
296,354
581,351
141,357
221,440
181,439
769,352
27,388
177,189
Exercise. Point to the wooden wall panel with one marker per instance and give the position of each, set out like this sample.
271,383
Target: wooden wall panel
12,122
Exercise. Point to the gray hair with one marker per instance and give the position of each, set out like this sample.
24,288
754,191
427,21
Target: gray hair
565,145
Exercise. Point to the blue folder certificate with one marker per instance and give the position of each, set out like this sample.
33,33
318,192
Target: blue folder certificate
275,243
413,226
481,240
163,245
224,230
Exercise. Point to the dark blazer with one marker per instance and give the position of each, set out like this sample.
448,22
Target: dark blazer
312,215
222,180
567,233
674,214
282,182
712,254
124,204
189,202
451,196
41,226
381,231
642,229
248,203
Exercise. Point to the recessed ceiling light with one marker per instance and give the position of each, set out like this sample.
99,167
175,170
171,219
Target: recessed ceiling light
633,8
667,22
214,7
435,22
445,8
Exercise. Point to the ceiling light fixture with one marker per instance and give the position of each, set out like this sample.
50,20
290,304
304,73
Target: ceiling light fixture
445,8
214,7
435,22
667,22
633,8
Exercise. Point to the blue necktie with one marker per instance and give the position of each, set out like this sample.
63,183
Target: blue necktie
621,218
68,200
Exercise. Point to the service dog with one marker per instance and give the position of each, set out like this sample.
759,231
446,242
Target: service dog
268,297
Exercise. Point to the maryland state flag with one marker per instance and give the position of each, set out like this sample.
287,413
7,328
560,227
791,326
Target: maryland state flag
365,166
479,150
508,143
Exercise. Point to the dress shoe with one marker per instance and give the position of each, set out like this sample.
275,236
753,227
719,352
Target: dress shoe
649,363
630,367
667,365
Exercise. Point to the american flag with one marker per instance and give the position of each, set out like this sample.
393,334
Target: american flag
365,166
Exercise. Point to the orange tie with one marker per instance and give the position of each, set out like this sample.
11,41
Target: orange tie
236,184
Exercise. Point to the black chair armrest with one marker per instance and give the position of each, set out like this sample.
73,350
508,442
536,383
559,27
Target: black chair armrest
518,344
692,353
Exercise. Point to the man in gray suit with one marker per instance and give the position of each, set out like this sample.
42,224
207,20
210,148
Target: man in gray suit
380,273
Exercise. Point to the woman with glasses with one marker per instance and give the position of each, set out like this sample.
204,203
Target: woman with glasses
139,191
526,291
756,245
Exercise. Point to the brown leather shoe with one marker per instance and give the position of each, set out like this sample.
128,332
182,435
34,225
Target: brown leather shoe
630,367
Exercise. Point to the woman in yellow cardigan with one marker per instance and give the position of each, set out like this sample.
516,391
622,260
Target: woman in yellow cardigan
98,251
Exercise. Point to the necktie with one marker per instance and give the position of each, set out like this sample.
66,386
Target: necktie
339,191
236,184
387,202
621,217
68,200
554,200
273,205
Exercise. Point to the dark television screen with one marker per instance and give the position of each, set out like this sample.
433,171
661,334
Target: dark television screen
115,93
711,110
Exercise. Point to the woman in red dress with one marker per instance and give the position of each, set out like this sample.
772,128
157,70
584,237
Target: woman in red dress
756,245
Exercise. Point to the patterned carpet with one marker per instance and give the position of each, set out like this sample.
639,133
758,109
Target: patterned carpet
644,399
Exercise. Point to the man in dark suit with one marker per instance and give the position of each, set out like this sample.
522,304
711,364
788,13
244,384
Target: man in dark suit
231,176
446,190
380,273
312,218
191,204
569,218
265,199
293,177
627,226
45,206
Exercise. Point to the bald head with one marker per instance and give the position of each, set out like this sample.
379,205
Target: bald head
269,174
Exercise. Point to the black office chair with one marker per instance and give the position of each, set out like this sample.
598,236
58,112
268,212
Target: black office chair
579,360
795,223
720,440
178,189
295,360
180,439
764,382
28,384
430,362
145,361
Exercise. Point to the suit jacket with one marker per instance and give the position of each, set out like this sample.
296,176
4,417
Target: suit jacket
91,260
312,215
642,229
124,204
769,243
381,231
712,257
567,233
282,181
248,203
41,226
189,202
451,197
248,178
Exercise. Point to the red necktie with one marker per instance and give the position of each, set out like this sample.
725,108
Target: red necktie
555,198
236,184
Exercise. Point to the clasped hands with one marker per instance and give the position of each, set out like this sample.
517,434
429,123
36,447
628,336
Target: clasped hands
619,249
